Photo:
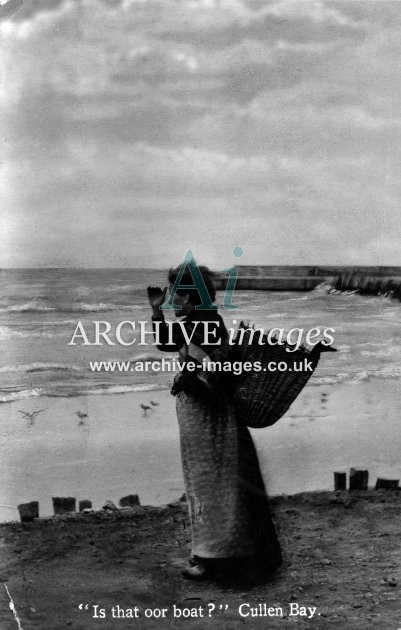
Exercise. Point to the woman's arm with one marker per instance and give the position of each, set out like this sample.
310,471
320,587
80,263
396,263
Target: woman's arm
157,297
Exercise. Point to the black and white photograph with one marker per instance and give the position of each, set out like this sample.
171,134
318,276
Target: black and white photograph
200,287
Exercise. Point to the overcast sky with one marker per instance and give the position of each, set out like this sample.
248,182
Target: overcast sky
133,130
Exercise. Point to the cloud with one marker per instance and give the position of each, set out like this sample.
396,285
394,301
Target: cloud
213,120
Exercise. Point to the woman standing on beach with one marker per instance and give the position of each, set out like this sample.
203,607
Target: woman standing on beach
228,510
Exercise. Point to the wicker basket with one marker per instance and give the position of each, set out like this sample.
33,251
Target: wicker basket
261,398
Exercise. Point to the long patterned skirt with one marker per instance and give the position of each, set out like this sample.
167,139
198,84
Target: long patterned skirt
228,509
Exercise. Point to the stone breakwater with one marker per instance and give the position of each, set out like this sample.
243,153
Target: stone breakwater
375,280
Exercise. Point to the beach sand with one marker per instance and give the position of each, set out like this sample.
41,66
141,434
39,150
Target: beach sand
342,552
342,556
120,450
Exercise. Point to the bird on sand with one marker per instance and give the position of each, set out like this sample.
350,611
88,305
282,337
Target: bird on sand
145,408
31,415
81,415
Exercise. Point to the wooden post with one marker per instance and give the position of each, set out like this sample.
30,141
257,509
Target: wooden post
340,481
62,505
28,511
85,505
387,484
358,479
131,500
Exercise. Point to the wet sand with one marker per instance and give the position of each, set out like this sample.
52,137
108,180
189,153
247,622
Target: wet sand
120,449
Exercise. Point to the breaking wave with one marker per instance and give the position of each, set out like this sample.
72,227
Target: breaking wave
70,392
82,307
9,333
354,378
40,367
22,395
28,307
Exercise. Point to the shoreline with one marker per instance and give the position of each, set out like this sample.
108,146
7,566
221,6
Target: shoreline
120,450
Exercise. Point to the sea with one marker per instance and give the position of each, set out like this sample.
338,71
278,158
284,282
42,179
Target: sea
40,310
347,415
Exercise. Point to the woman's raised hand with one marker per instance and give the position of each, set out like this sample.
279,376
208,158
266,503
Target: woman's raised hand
156,297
